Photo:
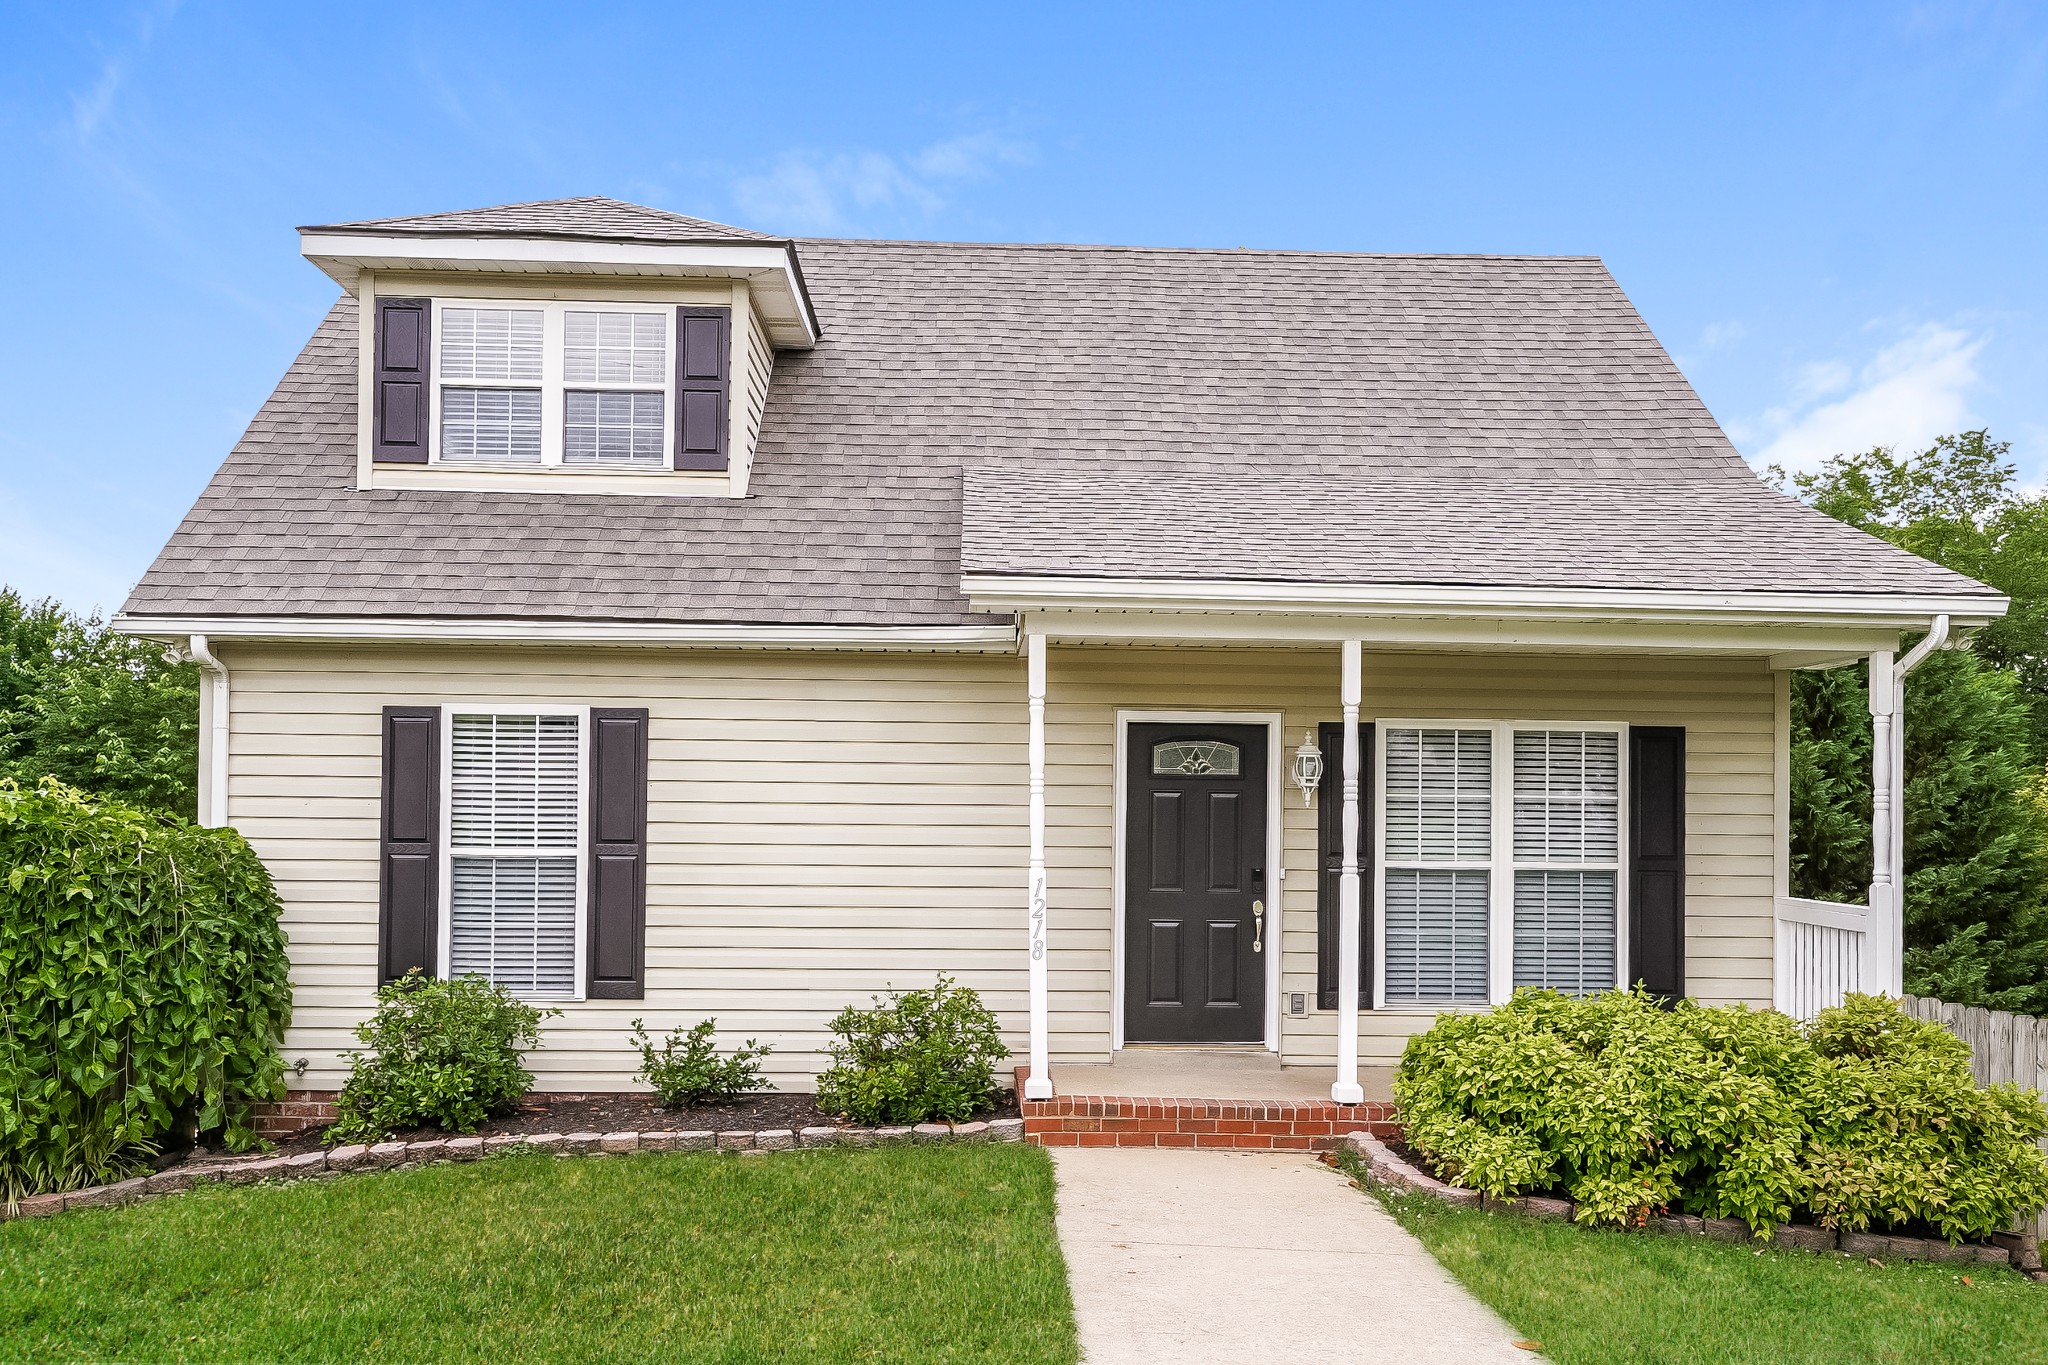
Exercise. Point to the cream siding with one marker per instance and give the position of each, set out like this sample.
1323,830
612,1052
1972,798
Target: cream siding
824,825
754,367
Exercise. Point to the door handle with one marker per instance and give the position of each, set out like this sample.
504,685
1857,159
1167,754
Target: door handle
1258,926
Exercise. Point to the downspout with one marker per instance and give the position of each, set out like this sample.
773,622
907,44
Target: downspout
214,814
1888,797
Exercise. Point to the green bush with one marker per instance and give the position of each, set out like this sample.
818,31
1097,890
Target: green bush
916,1057
1864,1118
142,975
686,1068
446,1053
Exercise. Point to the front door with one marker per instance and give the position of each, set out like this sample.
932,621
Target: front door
1195,884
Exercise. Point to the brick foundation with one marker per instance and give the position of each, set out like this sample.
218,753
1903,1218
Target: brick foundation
1243,1125
297,1111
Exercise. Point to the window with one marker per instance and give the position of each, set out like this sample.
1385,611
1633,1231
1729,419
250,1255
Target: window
1500,864
1195,758
568,386
515,848
1567,859
1438,839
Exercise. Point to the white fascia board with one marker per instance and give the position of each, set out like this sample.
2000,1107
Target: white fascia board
1902,611
441,630
344,256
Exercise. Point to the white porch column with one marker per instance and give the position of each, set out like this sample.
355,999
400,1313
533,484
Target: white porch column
1345,1089
1880,963
1038,1085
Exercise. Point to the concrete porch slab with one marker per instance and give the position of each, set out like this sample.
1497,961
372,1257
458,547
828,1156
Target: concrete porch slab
1211,1074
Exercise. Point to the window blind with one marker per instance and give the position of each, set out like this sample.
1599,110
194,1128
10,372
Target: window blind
515,834
1439,795
615,348
491,344
1436,936
612,428
497,426
1567,786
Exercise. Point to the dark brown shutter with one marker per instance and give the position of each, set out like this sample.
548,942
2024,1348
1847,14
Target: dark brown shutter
1656,875
402,407
703,356
618,853
1330,863
408,928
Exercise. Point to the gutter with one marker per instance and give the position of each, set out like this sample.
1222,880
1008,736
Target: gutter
993,638
215,813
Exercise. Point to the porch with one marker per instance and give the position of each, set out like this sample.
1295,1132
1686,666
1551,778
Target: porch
1712,678
1238,1099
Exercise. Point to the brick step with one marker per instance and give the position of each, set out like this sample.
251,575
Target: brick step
1242,1125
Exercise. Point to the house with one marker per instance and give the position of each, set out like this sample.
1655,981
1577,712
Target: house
1254,649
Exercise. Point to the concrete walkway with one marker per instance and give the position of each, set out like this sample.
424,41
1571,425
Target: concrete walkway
1191,1257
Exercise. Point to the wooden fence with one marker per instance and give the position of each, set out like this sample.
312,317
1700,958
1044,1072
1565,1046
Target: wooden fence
2003,1047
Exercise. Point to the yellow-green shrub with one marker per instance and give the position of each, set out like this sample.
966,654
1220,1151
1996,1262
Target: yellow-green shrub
1865,1118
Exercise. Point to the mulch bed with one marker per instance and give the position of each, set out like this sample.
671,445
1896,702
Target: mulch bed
632,1111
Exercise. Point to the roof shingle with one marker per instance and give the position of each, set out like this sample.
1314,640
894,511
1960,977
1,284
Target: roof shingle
590,216
1435,419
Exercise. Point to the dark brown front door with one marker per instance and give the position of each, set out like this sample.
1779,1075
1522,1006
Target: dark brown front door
1194,884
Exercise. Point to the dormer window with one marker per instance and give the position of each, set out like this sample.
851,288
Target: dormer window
564,386
569,385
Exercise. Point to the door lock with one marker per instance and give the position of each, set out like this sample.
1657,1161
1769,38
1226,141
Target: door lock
1258,926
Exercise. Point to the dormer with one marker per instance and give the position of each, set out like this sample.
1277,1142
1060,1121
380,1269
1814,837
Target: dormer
568,346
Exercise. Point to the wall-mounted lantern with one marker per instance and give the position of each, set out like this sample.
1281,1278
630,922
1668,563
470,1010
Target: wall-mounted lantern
1308,767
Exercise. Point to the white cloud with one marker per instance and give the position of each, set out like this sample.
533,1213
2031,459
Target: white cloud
1914,390
829,192
90,110
1719,334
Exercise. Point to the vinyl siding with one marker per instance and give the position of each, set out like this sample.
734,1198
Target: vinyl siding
749,391
825,825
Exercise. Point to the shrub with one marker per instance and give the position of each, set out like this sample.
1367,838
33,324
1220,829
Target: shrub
142,976
1864,1118
686,1069
447,1053
916,1057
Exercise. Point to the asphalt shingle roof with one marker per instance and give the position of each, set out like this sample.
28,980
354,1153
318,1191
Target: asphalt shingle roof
1450,419
1726,536
590,216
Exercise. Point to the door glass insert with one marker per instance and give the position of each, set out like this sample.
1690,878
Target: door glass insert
1195,758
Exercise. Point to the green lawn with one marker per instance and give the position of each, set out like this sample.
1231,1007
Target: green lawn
942,1253
1591,1296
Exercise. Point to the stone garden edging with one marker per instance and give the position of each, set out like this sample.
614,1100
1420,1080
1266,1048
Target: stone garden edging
2019,1250
406,1155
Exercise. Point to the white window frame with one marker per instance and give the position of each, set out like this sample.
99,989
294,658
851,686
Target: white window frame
553,387
448,853
1501,864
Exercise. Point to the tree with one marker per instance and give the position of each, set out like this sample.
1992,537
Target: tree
1957,503
1976,893
96,709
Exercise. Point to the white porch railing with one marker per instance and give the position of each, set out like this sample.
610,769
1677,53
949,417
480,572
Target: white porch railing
1825,950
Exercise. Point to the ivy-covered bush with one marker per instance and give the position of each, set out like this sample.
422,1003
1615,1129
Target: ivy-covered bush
142,975
444,1053
685,1068
1866,1118
916,1057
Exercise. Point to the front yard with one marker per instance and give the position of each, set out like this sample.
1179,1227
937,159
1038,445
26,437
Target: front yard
943,1253
1601,1297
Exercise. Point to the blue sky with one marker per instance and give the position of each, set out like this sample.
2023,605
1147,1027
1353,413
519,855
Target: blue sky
1833,215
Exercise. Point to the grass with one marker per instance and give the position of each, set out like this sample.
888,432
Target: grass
1594,1296
942,1253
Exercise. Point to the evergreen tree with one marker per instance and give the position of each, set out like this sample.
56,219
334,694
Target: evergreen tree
1976,893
